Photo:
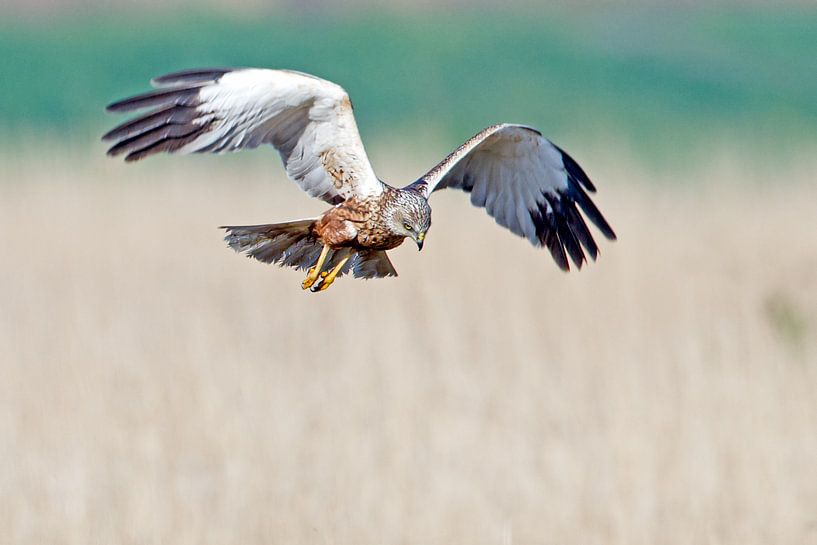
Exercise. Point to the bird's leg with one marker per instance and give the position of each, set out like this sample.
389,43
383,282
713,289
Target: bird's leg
315,271
327,280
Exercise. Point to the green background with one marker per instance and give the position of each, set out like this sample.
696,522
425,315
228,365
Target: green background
662,81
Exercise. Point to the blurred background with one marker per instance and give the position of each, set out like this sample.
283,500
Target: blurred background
157,388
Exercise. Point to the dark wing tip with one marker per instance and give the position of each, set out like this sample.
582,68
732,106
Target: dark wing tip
171,86
546,221
561,224
553,244
110,135
575,171
167,138
577,194
180,96
171,122
115,106
193,75
561,228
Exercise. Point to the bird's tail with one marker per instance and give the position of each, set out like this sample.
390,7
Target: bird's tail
294,244
290,244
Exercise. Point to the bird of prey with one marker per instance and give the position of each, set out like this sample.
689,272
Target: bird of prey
524,181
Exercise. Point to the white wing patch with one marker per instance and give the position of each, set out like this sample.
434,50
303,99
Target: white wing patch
527,185
307,119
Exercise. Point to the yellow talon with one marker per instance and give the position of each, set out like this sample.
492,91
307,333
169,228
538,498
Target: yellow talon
313,273
327,279
324,285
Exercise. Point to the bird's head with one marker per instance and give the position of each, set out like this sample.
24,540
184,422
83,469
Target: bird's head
411,216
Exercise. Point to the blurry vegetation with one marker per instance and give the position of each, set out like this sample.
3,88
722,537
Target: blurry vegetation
787,320
660,80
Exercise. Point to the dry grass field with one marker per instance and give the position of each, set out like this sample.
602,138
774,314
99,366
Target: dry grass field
157,388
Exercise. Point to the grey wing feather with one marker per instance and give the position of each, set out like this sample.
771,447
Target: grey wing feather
307,119
528,185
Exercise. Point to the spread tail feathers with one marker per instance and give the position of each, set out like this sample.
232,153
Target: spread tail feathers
293,244
290,244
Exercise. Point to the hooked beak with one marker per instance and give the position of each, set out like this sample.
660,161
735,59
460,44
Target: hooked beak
419,240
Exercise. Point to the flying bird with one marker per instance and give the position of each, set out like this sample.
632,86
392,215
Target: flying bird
525,182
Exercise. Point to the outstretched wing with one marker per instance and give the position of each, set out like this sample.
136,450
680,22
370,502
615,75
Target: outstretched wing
528,185
307,119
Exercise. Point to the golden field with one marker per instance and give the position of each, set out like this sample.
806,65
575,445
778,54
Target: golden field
157,388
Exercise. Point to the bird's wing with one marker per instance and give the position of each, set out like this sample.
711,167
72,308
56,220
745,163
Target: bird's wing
528,185
307,119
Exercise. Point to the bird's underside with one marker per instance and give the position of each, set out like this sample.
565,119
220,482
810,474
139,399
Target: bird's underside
525,182
348,236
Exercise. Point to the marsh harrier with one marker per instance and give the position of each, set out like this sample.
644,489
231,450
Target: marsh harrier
525,182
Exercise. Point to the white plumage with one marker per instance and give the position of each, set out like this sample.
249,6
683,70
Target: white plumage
511,170
527,183
309,121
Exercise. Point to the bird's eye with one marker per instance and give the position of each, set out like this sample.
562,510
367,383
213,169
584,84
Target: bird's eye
408,227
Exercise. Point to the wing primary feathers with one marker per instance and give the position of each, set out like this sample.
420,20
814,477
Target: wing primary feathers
579,228
168,144
575,192
529,186
185,96
143,141
570,244
575,171
163,139
555,246
547,233
174,115
213,110
562,227
195,75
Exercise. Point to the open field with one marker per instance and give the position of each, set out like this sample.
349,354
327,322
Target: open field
157,388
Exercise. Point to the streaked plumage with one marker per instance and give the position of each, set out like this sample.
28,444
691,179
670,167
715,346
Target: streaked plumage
525,182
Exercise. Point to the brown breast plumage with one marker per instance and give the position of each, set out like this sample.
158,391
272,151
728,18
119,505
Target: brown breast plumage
375,237
358,223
